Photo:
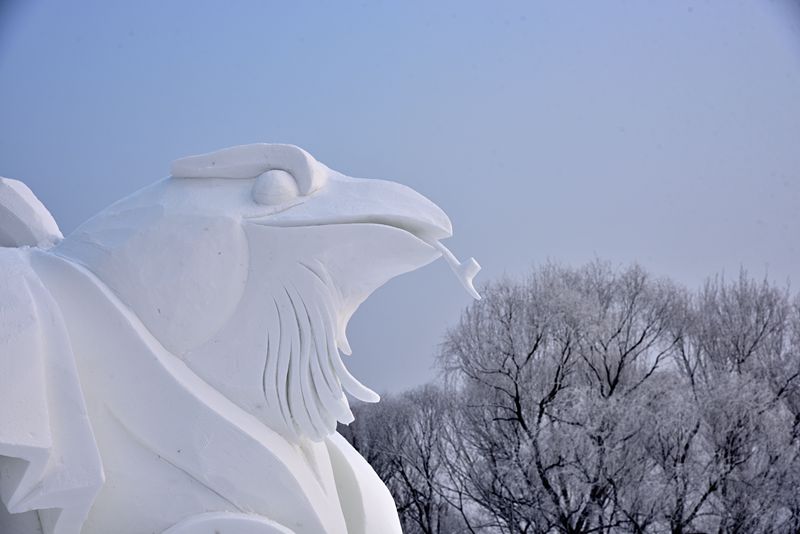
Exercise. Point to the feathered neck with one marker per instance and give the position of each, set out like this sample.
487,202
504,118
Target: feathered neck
304,376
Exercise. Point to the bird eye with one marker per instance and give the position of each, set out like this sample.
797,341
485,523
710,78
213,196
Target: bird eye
275,187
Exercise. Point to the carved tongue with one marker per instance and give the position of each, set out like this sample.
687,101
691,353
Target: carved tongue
465,272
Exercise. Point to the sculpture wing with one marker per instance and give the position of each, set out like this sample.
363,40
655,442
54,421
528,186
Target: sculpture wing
24,221
49,463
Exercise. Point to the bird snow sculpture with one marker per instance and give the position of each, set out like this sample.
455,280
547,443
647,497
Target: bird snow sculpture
173,366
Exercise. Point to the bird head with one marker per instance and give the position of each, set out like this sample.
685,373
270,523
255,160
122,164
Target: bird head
247,263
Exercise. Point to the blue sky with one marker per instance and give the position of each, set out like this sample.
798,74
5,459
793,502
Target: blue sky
666,133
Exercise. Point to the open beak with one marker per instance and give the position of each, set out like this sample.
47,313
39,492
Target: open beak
347,200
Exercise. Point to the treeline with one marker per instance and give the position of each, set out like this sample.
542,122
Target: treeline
601,400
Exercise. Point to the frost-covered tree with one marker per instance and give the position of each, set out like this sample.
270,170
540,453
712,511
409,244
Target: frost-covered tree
602,400
402,440
553,374
740,362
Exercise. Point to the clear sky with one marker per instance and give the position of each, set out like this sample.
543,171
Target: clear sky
666,133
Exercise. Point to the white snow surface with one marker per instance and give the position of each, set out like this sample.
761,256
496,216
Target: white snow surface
174,364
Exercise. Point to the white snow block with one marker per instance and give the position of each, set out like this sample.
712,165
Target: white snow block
174,365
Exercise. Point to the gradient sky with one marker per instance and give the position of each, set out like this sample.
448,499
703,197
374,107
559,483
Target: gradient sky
666,133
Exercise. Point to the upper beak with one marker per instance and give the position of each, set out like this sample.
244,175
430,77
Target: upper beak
352,200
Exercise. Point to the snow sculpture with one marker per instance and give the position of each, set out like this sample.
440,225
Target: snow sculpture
173,365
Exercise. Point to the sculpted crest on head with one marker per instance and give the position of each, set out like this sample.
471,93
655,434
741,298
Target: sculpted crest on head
193,331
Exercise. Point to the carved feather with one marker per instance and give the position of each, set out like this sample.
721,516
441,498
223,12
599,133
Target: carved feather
304,376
